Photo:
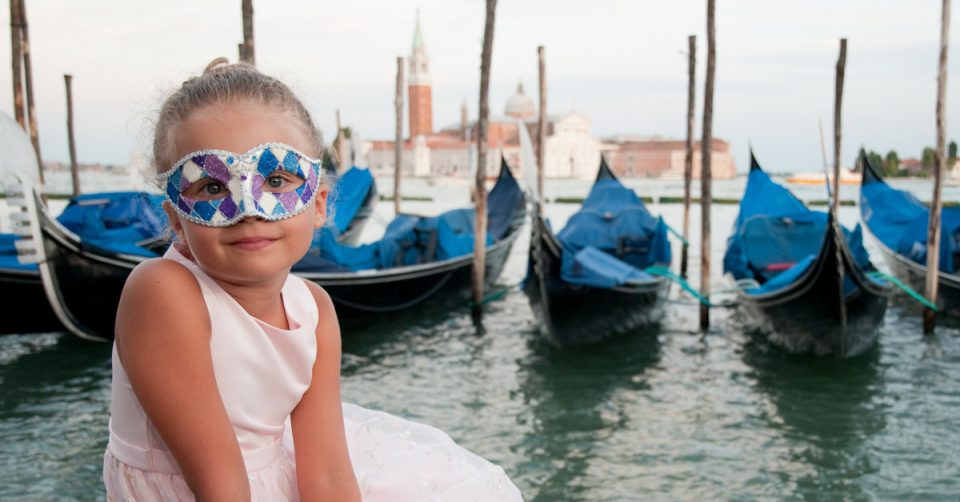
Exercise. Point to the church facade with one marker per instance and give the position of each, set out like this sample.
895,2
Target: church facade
571,151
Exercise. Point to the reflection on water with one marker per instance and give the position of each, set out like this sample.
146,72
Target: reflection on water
53,416
575,399
826,408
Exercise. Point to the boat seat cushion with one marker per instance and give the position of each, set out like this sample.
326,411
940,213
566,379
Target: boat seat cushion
593,267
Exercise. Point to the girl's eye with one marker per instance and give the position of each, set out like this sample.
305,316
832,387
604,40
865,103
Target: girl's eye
206,189
282,181
213,188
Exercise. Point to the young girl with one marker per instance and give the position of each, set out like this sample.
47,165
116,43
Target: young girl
226,367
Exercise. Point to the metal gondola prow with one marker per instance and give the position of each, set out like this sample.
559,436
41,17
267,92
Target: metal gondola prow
32,249
605,173
867,172
754,165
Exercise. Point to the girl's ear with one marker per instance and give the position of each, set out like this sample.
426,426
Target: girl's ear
175,224
320,214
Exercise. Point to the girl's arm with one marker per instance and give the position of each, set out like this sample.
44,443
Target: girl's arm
163,340
324,471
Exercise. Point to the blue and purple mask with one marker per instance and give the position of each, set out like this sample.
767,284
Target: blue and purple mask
218,188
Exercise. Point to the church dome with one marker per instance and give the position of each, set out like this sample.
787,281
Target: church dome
519,105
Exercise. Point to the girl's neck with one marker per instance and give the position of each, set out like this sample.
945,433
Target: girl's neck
262,300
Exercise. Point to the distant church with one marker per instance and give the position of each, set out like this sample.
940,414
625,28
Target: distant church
570,150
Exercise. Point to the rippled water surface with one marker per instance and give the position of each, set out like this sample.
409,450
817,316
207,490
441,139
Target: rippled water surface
668,413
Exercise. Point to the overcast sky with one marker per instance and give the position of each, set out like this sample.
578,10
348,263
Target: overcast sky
620,62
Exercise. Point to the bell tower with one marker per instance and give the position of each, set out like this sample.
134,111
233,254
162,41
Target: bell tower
418,87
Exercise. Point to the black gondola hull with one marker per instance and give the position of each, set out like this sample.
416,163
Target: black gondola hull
362,302
570,314
25,306
915,275
809,316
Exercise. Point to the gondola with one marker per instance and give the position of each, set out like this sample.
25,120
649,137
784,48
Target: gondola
132,221
588,282
803,280
419,258
83,281
898,223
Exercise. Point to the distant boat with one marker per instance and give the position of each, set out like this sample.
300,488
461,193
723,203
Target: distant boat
898,223
83,281
815,178
805,283
588,282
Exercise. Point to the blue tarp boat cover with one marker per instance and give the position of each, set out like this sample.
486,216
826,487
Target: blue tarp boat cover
408,240
900,222
413,240
348,197
116,221
625,238
8,254
502,203
776,237
113,221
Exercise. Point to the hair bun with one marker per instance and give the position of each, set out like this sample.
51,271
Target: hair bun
220,61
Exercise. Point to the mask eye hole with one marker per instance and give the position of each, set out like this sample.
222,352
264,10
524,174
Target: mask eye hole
206,189
281,181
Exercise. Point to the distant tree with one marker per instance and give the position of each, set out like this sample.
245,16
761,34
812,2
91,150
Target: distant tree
891,166
952,154
928,160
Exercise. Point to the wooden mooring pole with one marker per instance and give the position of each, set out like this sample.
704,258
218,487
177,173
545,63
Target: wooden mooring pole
688,160
74,170
835,202
541,126
936,204
28,74
480,233
398,138
16,60
837,102
706,173
247,53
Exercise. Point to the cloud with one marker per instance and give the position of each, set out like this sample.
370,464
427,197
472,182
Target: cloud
619,61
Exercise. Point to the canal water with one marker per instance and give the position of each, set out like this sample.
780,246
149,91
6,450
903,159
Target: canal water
667,413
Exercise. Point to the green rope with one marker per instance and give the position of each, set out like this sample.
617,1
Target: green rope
674,232
876,274
496,295
665,272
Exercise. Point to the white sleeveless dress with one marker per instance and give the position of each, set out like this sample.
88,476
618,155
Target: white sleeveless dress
262,372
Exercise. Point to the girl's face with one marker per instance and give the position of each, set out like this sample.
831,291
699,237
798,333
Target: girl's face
253,250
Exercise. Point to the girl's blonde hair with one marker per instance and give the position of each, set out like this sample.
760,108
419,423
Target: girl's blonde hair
223,82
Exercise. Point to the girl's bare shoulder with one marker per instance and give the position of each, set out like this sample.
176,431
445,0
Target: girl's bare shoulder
328,327
162,278
161,296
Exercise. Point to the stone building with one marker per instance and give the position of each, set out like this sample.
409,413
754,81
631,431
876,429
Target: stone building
570,150
657,157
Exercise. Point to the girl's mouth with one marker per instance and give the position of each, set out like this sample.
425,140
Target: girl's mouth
252,243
